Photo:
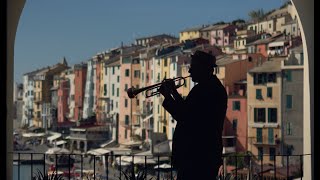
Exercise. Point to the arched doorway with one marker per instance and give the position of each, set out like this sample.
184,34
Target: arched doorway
13,9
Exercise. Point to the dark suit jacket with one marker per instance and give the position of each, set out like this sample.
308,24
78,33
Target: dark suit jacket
197,139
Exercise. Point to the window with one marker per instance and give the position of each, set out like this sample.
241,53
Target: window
259,115
127,120
269,92
142,76
234,124
272,77
289,128
117,92
126,134
105,89
269,26
126,87
118,78
105,71
236,105
270,136
137,102
260,78
272,115
293,29
165,62
125,102
174,66
127,73
288,75
272,153
112,89
113,70
289,101
259,135
137,73
260,153
258,94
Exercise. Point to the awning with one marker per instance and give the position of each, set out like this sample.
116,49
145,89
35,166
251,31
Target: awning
30,135
98,152
147,118
54,137
108,143
58,143
57,150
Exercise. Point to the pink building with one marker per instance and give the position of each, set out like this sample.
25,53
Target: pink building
63,95
80,73
129,66
222,35
235,126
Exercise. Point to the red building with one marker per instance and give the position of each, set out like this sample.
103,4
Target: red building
63,95
80,73
235,126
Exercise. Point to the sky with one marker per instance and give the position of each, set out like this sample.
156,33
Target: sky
79,29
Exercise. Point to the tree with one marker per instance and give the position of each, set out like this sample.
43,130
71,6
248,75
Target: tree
256,15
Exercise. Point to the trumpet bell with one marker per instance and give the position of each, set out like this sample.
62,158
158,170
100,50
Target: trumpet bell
131,93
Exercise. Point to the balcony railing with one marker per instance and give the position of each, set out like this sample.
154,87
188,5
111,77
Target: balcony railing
107,166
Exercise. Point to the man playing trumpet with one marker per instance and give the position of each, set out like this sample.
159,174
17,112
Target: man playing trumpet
197,140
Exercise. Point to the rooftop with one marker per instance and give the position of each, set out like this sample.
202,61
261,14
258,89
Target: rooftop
273,65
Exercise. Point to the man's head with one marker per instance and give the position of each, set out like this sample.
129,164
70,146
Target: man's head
202,66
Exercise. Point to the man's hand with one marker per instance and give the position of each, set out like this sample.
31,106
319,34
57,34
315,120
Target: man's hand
167,88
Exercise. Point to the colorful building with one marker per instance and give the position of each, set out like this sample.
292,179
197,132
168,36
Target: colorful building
264,111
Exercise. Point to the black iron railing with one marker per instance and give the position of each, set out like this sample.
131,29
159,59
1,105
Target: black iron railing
115,167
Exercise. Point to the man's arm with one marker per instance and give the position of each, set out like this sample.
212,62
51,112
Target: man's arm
174,107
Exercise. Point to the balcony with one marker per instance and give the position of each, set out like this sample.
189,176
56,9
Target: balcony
266,141
104,165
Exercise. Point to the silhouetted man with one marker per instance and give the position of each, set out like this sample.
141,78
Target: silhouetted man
197,141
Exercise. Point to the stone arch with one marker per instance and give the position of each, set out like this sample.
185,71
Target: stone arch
13,9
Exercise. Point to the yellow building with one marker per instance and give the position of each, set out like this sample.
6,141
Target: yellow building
264,111
43,82
190,33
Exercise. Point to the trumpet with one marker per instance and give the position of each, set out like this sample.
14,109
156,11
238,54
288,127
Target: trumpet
133,92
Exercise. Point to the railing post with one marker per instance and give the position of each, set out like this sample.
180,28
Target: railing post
94,167
69,166
31,165
81,166
236,166
120,166
158,167
145,166
287,166
132,169
107,164
274,166
18,166
261,166
56,163
301,167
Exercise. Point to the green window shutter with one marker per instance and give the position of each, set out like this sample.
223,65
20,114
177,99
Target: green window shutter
258,94
234,105
259,135
269,92
105,89
269,114
289,75
270,136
